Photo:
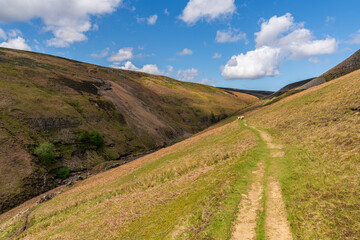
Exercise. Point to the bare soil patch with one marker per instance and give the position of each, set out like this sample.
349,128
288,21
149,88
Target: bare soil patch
245,222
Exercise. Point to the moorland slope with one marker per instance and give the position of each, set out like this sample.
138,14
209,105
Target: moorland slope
50,99
306,146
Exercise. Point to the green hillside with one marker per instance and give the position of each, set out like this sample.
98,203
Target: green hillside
47,99
194,189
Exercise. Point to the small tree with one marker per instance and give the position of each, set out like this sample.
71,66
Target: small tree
212,117
45,152
63,172
96,139
84,136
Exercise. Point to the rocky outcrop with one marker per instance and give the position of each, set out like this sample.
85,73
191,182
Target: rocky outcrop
53,123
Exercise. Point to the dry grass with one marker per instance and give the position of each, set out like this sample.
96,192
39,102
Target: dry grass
176,184
146,113
320,173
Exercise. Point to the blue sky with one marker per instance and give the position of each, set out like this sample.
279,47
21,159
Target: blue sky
249,44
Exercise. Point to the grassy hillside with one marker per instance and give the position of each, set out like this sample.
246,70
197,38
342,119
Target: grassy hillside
187,191
309,142
320,173
50,99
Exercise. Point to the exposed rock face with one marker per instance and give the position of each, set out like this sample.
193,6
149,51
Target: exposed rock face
312,83
53,123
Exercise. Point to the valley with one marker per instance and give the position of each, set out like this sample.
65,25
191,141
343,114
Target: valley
289,170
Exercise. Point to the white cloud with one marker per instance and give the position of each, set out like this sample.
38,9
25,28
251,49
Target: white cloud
188,74
3,34
152,19
270,30
13,33
261,62
355,38
102,54
152,69
186,51
207,81
217,55
16,43
148,68
280,39
314,60
68,20
230,35
122,55
170,68
166,12
206,9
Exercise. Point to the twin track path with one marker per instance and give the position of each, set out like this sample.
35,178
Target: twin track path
276,224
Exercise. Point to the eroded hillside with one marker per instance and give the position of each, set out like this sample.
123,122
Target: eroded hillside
51,99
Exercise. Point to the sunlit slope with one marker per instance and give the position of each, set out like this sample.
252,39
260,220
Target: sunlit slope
188,190
320,173
50,99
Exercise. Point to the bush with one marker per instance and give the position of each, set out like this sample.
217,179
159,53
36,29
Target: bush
96,139
84,136
63,172
212,118
93,138
45,152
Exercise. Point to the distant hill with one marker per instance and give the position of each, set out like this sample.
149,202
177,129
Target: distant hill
256,93
51,99
288,87
349,65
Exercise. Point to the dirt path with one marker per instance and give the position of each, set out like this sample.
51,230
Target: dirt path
245,223
276,224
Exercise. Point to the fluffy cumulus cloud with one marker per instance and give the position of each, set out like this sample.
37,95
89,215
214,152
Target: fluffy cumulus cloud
68,20
188,74
148,68
16,43
14,40
122,55
186,51
152,19
261,62
230,35
209,10
280,39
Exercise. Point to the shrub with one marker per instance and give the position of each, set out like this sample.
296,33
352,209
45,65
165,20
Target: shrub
212,118
93,138
84,136
96,139
45,152
63,172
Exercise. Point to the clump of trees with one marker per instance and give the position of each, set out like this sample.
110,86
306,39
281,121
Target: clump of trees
92,138
45,152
